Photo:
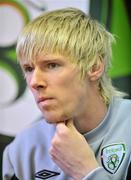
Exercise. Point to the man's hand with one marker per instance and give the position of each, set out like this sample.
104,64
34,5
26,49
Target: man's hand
71,152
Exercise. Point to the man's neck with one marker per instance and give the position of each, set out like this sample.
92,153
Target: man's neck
93,117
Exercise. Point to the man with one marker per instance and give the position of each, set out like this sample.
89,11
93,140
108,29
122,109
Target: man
65,56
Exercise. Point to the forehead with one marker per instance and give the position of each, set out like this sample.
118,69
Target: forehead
42,57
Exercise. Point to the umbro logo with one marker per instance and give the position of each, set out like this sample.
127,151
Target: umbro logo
45,174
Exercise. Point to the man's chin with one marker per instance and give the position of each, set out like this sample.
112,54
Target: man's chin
52,120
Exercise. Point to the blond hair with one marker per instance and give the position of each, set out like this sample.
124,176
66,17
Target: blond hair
73,34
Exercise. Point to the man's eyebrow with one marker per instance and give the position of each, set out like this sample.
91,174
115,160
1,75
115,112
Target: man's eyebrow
41,61
50,60
24,65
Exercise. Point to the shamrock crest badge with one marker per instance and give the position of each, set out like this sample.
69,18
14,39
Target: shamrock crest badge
112,156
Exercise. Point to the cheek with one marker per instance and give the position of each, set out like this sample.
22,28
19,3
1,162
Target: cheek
72,94
77,93
28,79
69,86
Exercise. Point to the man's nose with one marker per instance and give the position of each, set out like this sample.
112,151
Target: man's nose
37,80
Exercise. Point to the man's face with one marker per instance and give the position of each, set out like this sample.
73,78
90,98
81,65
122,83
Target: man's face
56,85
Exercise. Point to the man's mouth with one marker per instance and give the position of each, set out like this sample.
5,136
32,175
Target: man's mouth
43,99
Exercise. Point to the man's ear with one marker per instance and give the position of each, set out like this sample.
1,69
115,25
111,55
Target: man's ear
96,71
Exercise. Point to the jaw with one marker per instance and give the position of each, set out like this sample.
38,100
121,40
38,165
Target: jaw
54,116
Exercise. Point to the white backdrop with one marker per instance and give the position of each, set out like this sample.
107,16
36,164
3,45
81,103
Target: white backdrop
20,113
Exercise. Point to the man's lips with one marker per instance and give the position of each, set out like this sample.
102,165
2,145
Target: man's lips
42,99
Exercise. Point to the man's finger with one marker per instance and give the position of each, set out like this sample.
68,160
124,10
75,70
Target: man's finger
61,128
70,124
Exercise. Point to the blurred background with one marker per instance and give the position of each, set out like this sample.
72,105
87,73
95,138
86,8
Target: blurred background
17,106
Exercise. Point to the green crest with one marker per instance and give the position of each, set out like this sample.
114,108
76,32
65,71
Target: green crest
112,156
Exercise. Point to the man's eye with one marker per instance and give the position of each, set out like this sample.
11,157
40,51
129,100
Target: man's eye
52,65
28,69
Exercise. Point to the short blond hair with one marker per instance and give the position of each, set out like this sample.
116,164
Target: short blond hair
73,34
